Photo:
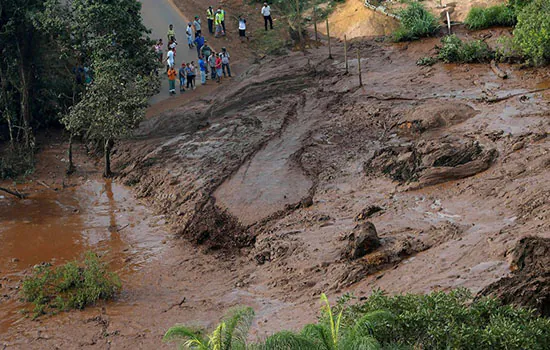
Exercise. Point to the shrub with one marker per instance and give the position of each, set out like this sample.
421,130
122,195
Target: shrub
532,33
435,321
70,286
499,15
451,321
455,50
506,50
426,61
416,22
16,161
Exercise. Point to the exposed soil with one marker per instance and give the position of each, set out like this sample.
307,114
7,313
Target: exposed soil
529,284
273,178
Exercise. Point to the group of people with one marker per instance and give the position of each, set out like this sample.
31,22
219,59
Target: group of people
211,65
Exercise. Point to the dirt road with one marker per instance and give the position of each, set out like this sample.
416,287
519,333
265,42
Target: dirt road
157,15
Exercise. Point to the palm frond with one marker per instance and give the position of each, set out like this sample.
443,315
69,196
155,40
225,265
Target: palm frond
238,322
320,335
216,339
353,342
191,338
289,341
334,325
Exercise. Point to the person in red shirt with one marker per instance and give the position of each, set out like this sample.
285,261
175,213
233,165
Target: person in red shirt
219,68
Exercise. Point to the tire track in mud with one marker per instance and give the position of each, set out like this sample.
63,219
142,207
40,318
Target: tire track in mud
271,179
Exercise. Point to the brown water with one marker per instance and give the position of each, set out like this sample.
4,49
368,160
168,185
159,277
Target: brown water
57,226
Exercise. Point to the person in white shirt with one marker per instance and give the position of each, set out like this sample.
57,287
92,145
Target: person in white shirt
242,29
266,12
189,33
170,59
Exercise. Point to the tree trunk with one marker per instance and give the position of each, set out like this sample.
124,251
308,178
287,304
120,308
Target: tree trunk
108,147
71,167
299,24
25,88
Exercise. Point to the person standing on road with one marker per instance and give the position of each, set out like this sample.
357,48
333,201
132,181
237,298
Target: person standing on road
224,55
158,50
170,59
218,23
191,73
172,80
199,43
210,18
189,33
181,75
266,12
205,50
197,25
171,33
242,29
219,68
222,18
202,67
212,64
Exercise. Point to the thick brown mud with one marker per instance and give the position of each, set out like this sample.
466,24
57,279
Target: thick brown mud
57,226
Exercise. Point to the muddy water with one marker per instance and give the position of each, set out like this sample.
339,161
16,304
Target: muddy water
57,226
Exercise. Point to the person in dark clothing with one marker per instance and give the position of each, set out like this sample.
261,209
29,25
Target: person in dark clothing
182,73
266,12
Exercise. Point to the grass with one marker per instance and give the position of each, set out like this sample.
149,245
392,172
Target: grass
272,42
74,285
454,50
500,15
438,320
532,32
416,22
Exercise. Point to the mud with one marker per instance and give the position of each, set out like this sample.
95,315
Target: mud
529,284
59,226
468,155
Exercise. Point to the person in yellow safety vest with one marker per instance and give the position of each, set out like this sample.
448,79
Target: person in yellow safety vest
222,12
210,16
171,33
218,23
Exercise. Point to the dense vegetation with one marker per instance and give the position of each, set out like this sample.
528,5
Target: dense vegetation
500,15
532,33
456,50
416,22
74,285
434,321
51,52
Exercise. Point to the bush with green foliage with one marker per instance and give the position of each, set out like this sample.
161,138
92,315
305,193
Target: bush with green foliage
454,50
230,333
435,321
532,32
70,286
500,15
416,22
506,50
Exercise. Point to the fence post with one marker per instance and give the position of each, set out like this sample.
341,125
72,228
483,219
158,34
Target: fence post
346,53
359,65
329,47
315,22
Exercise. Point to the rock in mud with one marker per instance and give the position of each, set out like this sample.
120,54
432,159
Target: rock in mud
432,162
363,240
529,284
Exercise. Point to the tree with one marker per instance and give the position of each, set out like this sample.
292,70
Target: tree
112,106
230,334
109,39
